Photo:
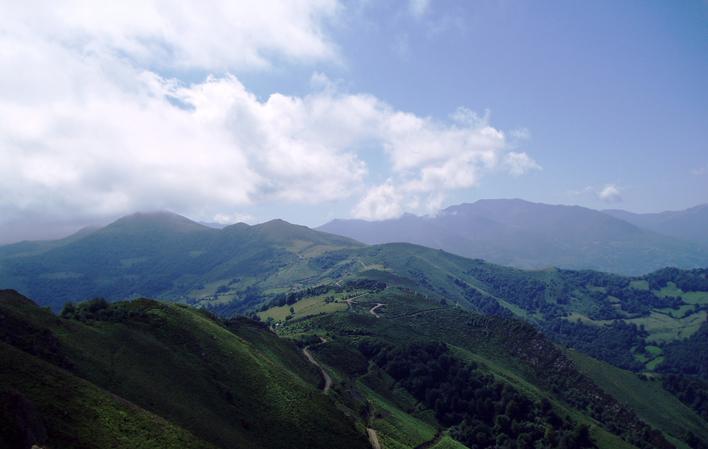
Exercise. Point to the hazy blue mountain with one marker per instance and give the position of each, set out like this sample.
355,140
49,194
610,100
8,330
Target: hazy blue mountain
689,224
162,255
532,235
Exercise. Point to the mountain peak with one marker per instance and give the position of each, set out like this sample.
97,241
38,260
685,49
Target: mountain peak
164,220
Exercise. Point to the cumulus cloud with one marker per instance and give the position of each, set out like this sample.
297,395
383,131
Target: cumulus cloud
218,35
519,163
610,193
380,203
90,125
431,158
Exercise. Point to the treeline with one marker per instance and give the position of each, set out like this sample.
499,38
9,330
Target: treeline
551,297
481,412
695,280
516,287
688,357
692,392
482,303
612,343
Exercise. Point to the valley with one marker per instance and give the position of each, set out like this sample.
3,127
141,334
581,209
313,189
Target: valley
359,333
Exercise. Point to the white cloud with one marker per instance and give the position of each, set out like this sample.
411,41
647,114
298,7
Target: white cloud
379,203
234,217
520,134
90,129
519,163
610,193
217,35
431,158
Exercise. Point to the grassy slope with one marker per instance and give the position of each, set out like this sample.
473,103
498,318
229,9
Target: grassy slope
233,269
412,319
448,443
651,402
80,415
166,256
239,386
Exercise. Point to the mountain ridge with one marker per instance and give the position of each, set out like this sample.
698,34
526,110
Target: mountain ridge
532,235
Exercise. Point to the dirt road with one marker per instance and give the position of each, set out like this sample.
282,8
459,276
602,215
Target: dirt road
373,309
311,359
373,438
350,301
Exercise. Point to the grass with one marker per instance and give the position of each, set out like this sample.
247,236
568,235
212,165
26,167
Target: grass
700,298
233,386
639,284
396,428
414,318
448,443
652,364
306,307
651,402
80,415
662,327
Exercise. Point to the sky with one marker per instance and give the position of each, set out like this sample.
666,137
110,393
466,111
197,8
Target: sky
310,110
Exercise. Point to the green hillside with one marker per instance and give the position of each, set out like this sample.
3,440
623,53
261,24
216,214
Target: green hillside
41,403
645,395
501,355
286,275
230,384
166,256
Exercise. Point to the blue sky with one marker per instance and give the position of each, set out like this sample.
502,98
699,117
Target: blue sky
320,109
610,92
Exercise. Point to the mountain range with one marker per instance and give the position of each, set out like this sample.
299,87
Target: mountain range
411,346
534,235
690,224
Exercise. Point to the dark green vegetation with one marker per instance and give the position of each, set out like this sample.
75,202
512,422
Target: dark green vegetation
146,374
164,255
647,396
305,283
533,235
481,411
481,380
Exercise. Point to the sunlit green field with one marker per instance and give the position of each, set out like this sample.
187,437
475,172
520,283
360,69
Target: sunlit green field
309,306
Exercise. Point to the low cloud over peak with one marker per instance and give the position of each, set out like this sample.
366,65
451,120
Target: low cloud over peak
92,126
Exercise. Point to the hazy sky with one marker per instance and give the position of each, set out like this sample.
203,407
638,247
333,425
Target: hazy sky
310,110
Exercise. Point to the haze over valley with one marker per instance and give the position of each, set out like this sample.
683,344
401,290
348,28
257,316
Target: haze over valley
332,224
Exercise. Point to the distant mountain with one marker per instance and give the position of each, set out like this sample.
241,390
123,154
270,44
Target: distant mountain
162,255
374,306
689,224
532,235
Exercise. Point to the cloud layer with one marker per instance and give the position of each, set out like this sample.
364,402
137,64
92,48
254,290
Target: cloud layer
90,125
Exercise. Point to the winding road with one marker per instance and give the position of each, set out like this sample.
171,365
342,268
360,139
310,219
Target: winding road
373,309
350,301
373,438
311,359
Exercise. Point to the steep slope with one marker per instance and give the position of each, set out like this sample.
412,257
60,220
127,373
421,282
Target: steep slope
532,235
44,405
689,224
232,384
632,323
645,395
419,364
